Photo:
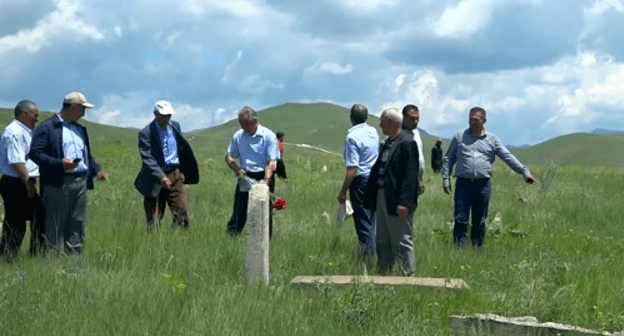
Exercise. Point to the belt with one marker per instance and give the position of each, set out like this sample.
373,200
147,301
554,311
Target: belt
75,175
473,180
169,170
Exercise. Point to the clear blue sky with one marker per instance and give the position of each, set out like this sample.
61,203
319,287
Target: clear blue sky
541,68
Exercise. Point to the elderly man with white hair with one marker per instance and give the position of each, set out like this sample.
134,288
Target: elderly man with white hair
392,190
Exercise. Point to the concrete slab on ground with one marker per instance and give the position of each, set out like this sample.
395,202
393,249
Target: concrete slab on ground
349,280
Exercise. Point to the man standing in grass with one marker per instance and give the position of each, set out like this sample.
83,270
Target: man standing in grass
168,164
18,184
60,147
360,154
411,117
392,190
256,148
474,150
436,157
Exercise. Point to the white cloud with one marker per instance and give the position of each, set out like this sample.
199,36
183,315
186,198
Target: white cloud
601,6
465,19
335,68
62,25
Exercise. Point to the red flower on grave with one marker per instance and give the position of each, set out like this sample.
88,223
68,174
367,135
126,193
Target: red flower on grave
279,204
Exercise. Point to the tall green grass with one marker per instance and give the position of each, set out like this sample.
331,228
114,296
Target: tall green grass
554,255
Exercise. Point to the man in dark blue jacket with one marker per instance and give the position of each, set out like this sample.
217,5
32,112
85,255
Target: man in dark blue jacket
168,164
60,146
392,191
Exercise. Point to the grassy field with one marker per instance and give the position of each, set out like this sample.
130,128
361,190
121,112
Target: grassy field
554,255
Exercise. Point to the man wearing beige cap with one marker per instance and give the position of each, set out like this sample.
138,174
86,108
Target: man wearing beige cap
60,147
168,164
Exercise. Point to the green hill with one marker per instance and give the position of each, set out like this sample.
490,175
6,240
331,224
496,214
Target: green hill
577,149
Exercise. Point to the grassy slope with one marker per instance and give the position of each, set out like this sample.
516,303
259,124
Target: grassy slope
579,148
555,256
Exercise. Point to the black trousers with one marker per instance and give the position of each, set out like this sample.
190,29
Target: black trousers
17,210
241,198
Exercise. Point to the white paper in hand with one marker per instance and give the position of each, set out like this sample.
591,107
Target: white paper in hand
344,212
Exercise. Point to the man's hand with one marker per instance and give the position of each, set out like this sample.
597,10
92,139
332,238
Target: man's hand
529,179
165,183
30,187
240,172
342,197
101,176
447,188
402,211
69,164
421,189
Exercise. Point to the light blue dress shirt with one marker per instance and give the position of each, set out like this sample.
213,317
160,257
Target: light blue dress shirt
361,148
74,146
169,145
475,154
14,146
254,150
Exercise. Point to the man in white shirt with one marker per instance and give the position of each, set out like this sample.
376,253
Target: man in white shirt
411,117
18,184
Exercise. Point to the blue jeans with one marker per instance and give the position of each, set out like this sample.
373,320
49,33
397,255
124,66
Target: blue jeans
471,195
364,219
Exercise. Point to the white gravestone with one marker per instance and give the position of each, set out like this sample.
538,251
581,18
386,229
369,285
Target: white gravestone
257,263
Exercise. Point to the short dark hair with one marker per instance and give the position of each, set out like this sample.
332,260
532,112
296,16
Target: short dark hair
478,109
359,113
279,135
253,115
24,106
408,108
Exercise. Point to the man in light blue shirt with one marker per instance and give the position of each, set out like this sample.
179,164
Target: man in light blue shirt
18,184
474,151
360,153
255,146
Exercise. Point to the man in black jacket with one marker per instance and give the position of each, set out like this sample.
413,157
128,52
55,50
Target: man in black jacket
168,164
436,157
392,190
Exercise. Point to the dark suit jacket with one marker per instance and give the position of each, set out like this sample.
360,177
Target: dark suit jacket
148,180
46,150
401,177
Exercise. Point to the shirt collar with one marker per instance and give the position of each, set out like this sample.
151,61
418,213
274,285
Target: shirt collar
360,125
259,132
23,126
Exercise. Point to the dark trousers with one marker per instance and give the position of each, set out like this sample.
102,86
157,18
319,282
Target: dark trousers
175,197
471,196
17,210
241,198
364,219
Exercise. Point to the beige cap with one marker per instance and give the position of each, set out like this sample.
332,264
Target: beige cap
163,107
77,98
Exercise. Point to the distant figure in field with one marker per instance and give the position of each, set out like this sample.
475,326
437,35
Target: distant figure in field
411,117
168,164
436,157
474,149
18,184
281,168
256,148
360,154
392,190
60,147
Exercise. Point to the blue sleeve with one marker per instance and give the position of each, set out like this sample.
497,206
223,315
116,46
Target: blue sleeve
272,148
351,155
449,160
232,149
505,155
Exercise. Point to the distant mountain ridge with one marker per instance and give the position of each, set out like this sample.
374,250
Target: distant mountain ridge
604,131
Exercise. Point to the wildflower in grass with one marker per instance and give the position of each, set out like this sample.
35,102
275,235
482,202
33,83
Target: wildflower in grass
572,231
330,263
167,276
179,285
464,267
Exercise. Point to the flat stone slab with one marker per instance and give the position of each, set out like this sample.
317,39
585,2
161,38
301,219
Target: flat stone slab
349,280
527,325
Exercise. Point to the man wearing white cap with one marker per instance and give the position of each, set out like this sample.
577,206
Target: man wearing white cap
168,164
60,146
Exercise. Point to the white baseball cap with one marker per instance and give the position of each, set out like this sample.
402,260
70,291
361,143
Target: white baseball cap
77,98
163,107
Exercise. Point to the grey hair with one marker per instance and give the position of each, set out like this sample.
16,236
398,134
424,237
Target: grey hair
253,115
359,113
24,106
394,113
